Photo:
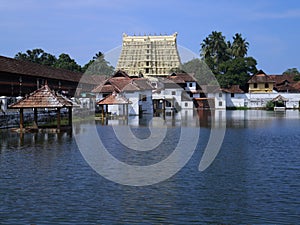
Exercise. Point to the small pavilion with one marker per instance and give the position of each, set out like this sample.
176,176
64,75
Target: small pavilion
43,97
280,103
114,99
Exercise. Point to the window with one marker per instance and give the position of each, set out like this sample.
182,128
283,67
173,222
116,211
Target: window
220,103
191,84
232,95
186,104
220,95
143,98
266,85
173,92
147,70
168,104
191,95
255,85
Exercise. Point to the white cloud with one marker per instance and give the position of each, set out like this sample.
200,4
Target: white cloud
288,14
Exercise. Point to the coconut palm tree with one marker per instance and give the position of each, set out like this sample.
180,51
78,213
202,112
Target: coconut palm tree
205,48
239,46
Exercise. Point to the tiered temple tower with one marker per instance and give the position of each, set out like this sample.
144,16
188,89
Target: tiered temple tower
149,55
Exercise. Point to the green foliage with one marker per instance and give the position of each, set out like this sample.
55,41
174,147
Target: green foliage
297,77
239,46
291,71
98,66
270,105
236,71
37,56
237,108
228,60
64,61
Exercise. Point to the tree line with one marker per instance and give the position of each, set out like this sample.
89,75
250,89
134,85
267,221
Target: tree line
96,66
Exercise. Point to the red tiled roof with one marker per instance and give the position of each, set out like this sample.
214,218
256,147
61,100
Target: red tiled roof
180,78
122,82
260,77
42,98
233,89
286,83
114,99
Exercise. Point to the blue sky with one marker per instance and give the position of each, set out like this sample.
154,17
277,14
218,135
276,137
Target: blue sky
82,28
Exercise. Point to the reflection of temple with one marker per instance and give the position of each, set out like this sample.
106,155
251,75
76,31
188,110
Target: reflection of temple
149,55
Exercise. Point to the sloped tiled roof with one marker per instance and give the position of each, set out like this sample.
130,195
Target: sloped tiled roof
280,79
260,77
233,89
180,78
142,83
286,83
15,66
42,98
122,82
279,98
114,99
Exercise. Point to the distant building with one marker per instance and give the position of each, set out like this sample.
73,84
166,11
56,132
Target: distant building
120,90
261,83
149,55
20,78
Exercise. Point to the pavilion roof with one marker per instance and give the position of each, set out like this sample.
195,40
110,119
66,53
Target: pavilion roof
280,98
114,99
44,97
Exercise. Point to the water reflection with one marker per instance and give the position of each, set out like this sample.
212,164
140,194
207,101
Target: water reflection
185,118
11,139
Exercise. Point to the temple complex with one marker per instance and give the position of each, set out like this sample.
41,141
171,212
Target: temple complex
149,55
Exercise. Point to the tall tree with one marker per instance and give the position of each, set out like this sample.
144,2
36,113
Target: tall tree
64,61
37,56
236,71
239,46
214,50
227,59
98,66
291,71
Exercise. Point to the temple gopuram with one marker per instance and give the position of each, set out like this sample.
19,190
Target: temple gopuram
149,55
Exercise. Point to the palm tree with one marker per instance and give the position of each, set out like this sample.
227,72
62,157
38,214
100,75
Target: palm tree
98,55
218,46
205,48
239,46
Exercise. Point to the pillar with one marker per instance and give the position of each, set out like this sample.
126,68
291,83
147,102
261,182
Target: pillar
70,116
102,111
21,120
58,118
35,120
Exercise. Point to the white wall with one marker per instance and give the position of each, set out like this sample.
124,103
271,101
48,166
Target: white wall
259,100
192,88
220,99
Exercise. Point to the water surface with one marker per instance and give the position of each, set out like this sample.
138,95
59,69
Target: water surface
253,180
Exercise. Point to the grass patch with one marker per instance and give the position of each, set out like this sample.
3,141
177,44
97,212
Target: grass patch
238,108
